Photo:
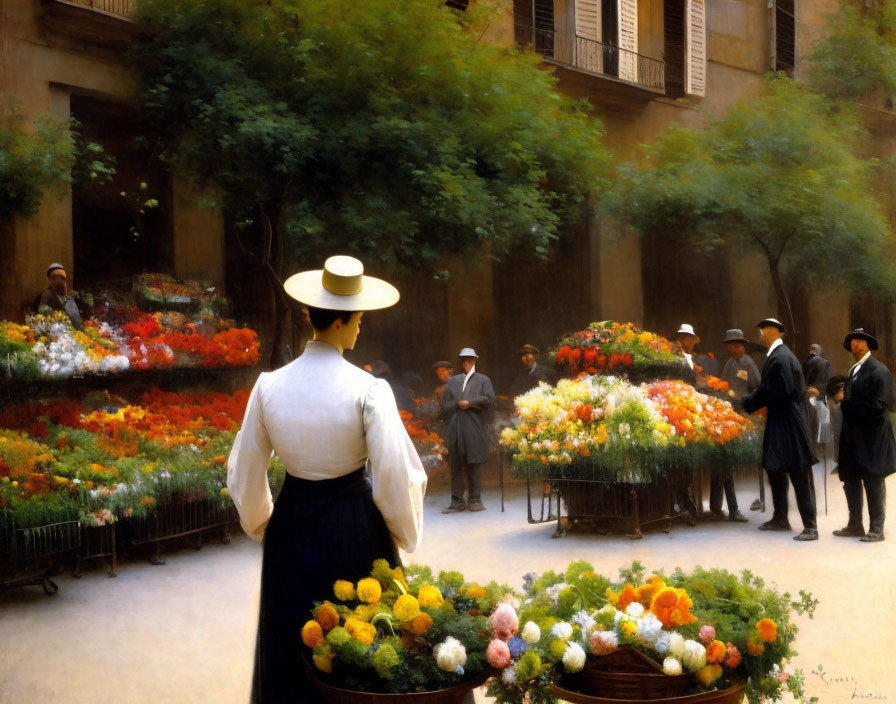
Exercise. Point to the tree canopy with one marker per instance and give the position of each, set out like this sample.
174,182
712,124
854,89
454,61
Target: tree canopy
777,173
856,58
382,129
34,157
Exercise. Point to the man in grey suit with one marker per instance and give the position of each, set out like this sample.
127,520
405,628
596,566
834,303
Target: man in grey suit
467,403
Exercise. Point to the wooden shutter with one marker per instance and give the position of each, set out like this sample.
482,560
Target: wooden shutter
695,48
628,39
589,52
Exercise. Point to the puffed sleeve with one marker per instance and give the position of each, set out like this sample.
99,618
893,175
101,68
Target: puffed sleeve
247,468
397,475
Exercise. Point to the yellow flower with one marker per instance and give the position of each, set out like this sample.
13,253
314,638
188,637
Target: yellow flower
323,661
360,631
312,635
474,591
369,590
430,596
344,590
708,674
629,628
398,576
406,608
611,596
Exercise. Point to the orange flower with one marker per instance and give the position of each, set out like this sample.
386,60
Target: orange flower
421,624
312,635
767,629
326,616
734,658
754,649
672,607
715,652
646,592
627,596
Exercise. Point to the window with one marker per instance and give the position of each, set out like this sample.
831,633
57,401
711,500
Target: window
533,24
783,35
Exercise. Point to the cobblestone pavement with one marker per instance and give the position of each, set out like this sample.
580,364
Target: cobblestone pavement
184,631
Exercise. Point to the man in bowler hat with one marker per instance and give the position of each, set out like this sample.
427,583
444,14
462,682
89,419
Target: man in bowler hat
867,447
467,404
785,443
533,373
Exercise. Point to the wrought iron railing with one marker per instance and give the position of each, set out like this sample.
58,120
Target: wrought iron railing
610,60
125,8
596,57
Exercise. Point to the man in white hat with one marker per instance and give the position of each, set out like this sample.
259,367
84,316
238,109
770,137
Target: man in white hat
786,450
467,404
702,364
867,447
326,420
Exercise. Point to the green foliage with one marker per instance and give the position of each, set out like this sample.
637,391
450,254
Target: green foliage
34,158
856,58
382,129
776,174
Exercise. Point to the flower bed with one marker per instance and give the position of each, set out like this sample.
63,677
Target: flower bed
609,347
605,428
429,444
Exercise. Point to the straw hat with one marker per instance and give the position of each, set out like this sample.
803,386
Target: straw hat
341,285
527,349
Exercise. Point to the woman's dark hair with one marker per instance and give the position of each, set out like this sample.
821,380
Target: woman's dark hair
322,318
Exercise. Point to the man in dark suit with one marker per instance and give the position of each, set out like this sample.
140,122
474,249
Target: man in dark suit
867,447
817,370
785,443
533,372
467,404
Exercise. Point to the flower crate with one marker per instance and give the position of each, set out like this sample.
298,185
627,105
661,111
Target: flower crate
176,519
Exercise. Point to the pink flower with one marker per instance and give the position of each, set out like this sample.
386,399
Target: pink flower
498,654
504,621
707,633
603,642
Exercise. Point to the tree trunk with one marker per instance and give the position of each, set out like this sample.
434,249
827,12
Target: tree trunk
783,302
280,355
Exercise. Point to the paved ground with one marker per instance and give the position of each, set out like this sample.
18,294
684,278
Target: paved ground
184,632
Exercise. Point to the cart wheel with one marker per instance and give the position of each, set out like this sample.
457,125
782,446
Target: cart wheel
49,586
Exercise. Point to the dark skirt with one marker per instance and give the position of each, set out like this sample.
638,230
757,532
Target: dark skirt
320,531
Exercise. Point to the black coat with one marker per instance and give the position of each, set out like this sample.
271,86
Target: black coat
467,431
782,390
866,439
818,371
530,378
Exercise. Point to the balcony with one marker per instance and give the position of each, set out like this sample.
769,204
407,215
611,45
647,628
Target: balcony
597,59
105,24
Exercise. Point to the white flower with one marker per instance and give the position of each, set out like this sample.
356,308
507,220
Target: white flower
662,643
451,655
554,591
649,628
509,674
562,630
574,657
603,642
694,655
635,609
671,666
531,633
676,645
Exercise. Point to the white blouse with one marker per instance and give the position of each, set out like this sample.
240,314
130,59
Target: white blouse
324,418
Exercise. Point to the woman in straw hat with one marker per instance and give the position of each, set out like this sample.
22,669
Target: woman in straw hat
325,419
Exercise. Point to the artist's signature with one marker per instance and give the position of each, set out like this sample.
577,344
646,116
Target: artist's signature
858,692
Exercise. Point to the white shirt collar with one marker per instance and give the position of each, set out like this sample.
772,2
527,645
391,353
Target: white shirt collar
467,378
689,358
855,367
777,343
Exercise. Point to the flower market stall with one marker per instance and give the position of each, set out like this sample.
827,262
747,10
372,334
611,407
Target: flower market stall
614,452
411,636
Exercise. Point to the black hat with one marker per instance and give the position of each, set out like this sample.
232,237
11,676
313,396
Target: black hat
770,323
862,335
527,349
443,363
835,384
735,335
